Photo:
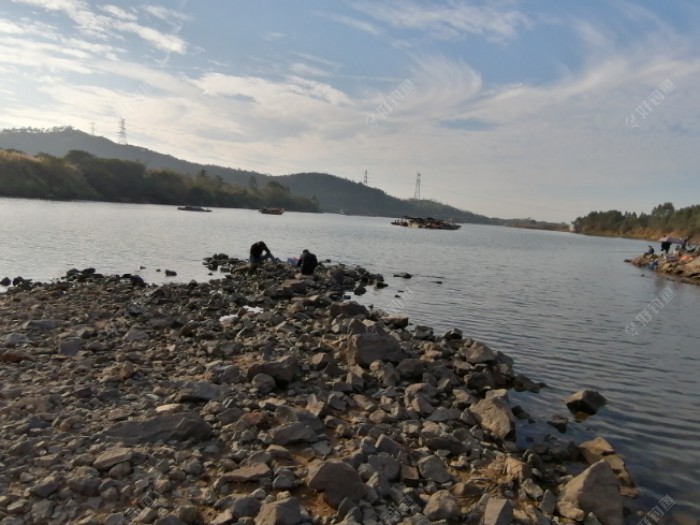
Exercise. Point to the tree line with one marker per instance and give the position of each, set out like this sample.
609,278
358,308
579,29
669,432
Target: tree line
664,219
82,176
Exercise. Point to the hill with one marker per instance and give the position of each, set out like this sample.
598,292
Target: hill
334,194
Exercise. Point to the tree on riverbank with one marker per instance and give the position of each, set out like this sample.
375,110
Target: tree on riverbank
82,176
664,219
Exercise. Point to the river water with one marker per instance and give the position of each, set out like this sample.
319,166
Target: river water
560,304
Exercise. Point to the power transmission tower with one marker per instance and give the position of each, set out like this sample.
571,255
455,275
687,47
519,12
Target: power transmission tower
365,177
92,128
416,195
122,132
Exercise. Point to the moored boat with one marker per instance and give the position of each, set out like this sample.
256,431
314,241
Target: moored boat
428,223
272,211
192,208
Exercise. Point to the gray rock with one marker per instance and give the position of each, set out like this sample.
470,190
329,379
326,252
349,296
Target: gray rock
498,511
586,401
432,468
224,518
387,444
363,349
287,414
169,520
164,427
87,486
244,505
283,371
337,480
480,353
396,321
549,503
293,433
350,309
70,346
264,383
442,506
200,391
45,487
453,335
595,490
284,512
112,457
559,422
494,415
15,339
386,465
252,472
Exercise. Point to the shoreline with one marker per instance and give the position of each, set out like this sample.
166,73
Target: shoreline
685,268
185,400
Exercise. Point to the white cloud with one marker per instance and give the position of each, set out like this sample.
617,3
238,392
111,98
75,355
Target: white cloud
115,20
450,21
10,28
118,12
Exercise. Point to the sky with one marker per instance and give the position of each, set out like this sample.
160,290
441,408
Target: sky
506,108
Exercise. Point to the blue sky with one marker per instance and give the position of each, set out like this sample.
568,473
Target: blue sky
507,108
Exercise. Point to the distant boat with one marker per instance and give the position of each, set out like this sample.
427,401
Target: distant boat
272,211
427,223
192,208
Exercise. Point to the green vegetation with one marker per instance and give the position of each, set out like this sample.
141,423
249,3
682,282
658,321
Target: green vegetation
337,195
664,219
82,176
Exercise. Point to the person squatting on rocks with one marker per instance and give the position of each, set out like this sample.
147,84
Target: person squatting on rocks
650,251
256,254
307,262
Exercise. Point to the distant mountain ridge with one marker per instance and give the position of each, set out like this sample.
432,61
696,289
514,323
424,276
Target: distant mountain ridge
335,194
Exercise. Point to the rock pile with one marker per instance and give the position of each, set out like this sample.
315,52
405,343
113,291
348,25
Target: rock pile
686,268
265,399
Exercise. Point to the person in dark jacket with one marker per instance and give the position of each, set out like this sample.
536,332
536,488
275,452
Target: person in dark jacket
259,252
307,262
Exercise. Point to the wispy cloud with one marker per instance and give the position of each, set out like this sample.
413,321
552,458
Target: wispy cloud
115,20
450,21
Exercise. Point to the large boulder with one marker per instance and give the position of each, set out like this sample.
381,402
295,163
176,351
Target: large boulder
337,480
595,490
585,401
597,449
494,415
350,309
498,511
363,349
442,506
284,512
165,427
283,371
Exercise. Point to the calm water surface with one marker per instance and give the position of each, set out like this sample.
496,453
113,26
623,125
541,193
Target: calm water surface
557,303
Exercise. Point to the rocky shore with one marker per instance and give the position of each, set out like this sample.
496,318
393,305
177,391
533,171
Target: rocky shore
685,267
271,399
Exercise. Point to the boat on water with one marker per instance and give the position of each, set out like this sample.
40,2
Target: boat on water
192,208
428,223
272,211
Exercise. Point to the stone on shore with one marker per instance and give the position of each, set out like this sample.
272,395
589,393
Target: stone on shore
165,427
284,512
595,490
495,415
337,480
364,349
498,511
585,401
157,412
